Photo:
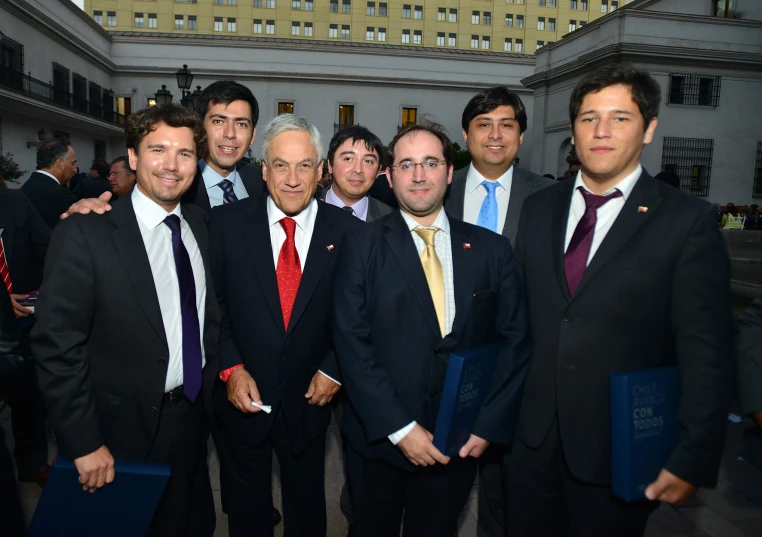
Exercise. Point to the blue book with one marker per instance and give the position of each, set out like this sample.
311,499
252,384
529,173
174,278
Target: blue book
123,508
644,430
468,379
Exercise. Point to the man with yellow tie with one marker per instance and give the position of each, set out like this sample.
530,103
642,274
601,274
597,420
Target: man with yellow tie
411,288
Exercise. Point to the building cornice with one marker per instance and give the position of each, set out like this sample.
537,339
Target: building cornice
26,12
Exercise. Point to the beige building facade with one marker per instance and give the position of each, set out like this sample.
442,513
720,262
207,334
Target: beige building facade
516,26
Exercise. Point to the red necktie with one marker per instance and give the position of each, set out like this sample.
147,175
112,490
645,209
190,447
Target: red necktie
288,271
5,274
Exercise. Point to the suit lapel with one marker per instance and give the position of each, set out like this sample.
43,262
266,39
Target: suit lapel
630,219
457,198
132,251
250,179
374,213
202,197
560,216
6,227
519,191
202,239
401,243
462,261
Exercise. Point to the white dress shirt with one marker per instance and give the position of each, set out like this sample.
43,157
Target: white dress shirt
475,194
359,207
606,214
157,238
443,246
49,175
212,180
305,225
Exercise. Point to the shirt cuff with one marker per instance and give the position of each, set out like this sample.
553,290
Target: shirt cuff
330,377
396,438
225,375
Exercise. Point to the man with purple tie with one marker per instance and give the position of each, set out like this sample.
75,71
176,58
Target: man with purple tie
127,324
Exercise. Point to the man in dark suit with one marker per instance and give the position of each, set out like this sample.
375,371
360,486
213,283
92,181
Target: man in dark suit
750,377
627,274
355,156
136,394
46,188
490,193
121,177
410,289
274,286
96,183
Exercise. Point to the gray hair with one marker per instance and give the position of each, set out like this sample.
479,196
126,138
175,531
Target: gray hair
286,123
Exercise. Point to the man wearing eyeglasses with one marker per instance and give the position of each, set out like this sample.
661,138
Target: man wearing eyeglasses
416,286
121,177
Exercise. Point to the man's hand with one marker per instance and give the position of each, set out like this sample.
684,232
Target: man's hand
669,488
98,205
19,310
419,450
242,390
474,447
96,469
321,390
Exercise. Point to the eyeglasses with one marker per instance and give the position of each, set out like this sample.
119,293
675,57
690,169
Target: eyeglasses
428,165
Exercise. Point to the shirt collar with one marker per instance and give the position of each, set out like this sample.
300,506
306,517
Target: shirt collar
624,186
440,222
212,178
275,215
475,179
359,206
49,175
150,213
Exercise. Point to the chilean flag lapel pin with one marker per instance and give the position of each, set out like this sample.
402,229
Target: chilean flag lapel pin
329,247
642,209
466,245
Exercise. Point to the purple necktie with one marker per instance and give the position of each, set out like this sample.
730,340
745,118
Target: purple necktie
578,251
191,330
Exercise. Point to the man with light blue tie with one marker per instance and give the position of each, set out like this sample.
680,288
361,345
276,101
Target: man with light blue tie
490,193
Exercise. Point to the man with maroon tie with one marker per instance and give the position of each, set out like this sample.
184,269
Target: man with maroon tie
274,286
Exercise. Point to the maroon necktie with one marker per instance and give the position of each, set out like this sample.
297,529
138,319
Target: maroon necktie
5,274
575,260
289,270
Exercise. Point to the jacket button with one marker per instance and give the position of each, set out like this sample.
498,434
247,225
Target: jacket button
438,351
570,319
433,393
154,410
161,360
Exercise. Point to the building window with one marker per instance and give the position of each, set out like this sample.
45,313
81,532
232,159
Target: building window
440,39
382,9
139,20
111,18
406,11
345,31
519,21
257,26
508,44
179,22
296,4
572,25
346,117
405,36
453,15
346,6
308,29
441,14
541,23
519,2
452,40
192,22
296,28
697,90
98,17
417,37
308,5
552,25
153,21
409,116
270,4
219,2
542,3
691,160
217,24
371,9
231,24
257,3
540,44
285,108
474,17
614,5
61,84
333,31
382,34
418,12
232,2
604,6
370,33
551,3
519,45
582,23
334,6
583,5
79,92
485,42
757,190
509,20
487,19
573,4
270,27
474,41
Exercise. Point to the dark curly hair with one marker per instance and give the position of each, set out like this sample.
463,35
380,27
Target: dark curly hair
140,124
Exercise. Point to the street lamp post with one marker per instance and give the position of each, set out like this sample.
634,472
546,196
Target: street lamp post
184,80
163,96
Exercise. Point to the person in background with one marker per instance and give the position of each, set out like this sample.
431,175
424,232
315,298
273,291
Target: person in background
96,183
121,177
669,177
46,187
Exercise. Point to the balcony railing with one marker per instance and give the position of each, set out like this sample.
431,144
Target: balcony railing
28,85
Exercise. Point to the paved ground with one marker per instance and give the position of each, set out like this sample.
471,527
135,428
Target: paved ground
733,509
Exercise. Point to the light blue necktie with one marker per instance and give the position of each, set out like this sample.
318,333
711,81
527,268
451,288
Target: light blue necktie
488,212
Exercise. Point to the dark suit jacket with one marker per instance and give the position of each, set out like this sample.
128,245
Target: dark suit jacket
750,358
376,209
49,198
391,353
282,362
383,192
92,187
523,184
656,293
99,342
251,176
25,238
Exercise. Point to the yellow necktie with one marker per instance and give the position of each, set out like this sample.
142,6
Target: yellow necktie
434,275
